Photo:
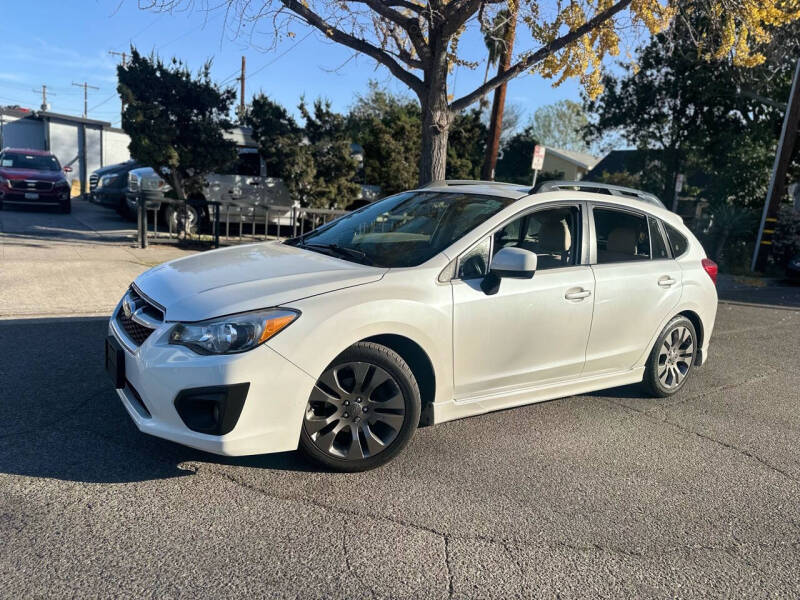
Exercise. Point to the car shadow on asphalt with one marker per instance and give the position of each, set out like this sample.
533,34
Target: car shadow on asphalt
63,419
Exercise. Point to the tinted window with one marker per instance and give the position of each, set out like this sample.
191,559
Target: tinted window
249,164
659,246
404,230
551,233
621,236
677,241
35,162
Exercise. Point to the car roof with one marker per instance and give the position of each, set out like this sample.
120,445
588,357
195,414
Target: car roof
523,196
28,151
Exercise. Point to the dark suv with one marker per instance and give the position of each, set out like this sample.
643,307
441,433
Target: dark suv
108,185
33,177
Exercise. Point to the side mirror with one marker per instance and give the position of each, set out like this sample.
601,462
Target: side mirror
508,262
67,169
514,262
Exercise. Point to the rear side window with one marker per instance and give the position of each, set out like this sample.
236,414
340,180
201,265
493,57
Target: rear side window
677,241
659,246
621,236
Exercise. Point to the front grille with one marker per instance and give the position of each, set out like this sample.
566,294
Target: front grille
29,184
133,182
93,179
137,304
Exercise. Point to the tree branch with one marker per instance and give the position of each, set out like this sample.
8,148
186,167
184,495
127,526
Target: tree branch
409,24
358,44
542,53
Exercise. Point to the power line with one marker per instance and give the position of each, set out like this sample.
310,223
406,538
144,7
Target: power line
96,106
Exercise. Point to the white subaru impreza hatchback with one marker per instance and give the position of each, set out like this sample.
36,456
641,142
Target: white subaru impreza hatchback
427,306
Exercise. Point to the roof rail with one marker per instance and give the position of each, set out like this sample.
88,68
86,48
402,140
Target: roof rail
448,182
601,188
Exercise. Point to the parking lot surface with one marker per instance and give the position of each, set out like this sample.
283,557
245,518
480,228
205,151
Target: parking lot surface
604,495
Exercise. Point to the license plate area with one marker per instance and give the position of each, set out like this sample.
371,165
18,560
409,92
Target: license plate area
115,362
31,196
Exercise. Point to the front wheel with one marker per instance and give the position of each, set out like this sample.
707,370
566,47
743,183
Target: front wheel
363,410
178,215
66,206
672,358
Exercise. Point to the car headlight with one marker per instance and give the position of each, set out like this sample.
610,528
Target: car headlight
63,183
107,180
234,333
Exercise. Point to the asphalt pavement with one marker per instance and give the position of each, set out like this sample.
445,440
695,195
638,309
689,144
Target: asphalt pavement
610,494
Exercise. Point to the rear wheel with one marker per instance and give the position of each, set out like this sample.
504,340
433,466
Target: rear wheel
363,410
672,358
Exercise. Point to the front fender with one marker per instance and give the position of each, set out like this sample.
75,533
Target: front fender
332,322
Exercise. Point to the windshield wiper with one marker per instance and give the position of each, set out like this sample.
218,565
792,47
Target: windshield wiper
336,250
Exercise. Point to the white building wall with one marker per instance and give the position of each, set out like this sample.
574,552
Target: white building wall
94,149
115,147
22,133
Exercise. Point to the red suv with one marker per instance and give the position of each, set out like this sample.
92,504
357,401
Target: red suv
33,177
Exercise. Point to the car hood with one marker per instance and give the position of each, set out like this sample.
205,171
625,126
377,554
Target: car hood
250,277
10,173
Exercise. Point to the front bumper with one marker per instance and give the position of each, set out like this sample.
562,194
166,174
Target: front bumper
156,374
48,198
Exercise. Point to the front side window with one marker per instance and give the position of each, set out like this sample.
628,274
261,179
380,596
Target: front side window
551,233
621,236
403,230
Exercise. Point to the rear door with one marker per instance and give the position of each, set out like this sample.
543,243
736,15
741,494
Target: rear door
637,285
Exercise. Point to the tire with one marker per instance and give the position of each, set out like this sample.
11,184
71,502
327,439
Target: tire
172,213
672,358
363,410
66,207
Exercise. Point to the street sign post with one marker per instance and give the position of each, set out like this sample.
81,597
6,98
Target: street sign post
537,162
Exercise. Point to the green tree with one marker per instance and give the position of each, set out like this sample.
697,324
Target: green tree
329,142
176,120
561,125
281,143
466,145
388,128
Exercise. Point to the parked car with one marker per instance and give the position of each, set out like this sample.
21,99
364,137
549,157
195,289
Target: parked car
144,185
33,178
423,307
108,186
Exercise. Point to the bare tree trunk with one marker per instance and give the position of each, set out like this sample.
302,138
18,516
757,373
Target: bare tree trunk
436,119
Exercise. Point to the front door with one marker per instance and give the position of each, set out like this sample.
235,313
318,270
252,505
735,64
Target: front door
532,331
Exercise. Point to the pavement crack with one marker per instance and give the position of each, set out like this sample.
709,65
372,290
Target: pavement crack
727,445
448,566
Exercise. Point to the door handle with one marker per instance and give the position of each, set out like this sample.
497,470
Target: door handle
666,281
577,294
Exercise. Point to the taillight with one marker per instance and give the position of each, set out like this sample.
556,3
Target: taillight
711,268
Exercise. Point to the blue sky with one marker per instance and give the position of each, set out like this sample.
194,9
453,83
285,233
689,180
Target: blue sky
54,46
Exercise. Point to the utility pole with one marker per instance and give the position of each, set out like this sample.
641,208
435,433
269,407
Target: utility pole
123,55
241,91
86,88
777,182
496,121
43,92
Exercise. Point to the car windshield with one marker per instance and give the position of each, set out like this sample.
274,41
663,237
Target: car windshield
35,162
403,230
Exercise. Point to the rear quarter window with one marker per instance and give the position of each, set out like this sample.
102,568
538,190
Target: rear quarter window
677,241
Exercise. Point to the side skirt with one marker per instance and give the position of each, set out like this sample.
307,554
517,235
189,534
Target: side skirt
458,409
